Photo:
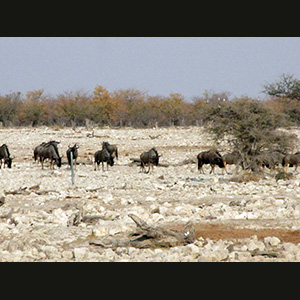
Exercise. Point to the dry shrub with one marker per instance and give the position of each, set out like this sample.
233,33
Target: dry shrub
282,175
246,176
249,128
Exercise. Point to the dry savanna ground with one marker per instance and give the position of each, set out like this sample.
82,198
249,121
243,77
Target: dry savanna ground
43,217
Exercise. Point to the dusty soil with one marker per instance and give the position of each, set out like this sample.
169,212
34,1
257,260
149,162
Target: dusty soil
221,231
233,221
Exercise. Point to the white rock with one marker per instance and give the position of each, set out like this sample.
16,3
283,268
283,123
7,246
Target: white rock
52,252
67,255
297,255
156,217
278,202
290,247
242,256
149,198
100,231
272,240
108,198
80,253
114,229
60,216
211,256
256,245
193,250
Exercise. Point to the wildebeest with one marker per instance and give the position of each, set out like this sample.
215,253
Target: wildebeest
37,149
269,159
110,148
48,150
211,157
233,158
5,155
74,152
291,160
276,158
151,158
103,156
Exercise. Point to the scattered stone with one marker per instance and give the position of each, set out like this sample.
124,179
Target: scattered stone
43,217
273,241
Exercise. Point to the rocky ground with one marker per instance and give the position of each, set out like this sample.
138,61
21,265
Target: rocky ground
43,217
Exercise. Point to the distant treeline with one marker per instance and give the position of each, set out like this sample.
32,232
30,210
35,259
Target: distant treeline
125,108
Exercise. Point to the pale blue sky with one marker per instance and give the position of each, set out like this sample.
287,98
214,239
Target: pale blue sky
156,65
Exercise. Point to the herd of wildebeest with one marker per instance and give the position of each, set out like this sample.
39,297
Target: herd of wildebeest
49,150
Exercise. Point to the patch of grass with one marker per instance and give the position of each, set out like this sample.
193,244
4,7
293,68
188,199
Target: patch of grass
281,175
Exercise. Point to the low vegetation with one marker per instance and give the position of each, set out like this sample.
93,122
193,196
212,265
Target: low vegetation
135,108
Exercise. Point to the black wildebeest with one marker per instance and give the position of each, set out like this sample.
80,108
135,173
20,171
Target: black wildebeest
37,149
5,155
211,157
110,148
74,151
291,160
103,156
48,150
151,158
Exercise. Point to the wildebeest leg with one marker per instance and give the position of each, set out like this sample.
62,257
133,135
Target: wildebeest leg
286,166
223,171
212,169
200,165
225,167
0,163
148,168
142,165
201,169
296,167
75,163
42,163
236,168
102,165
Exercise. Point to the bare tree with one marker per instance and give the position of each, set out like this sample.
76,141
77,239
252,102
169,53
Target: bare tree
286,87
